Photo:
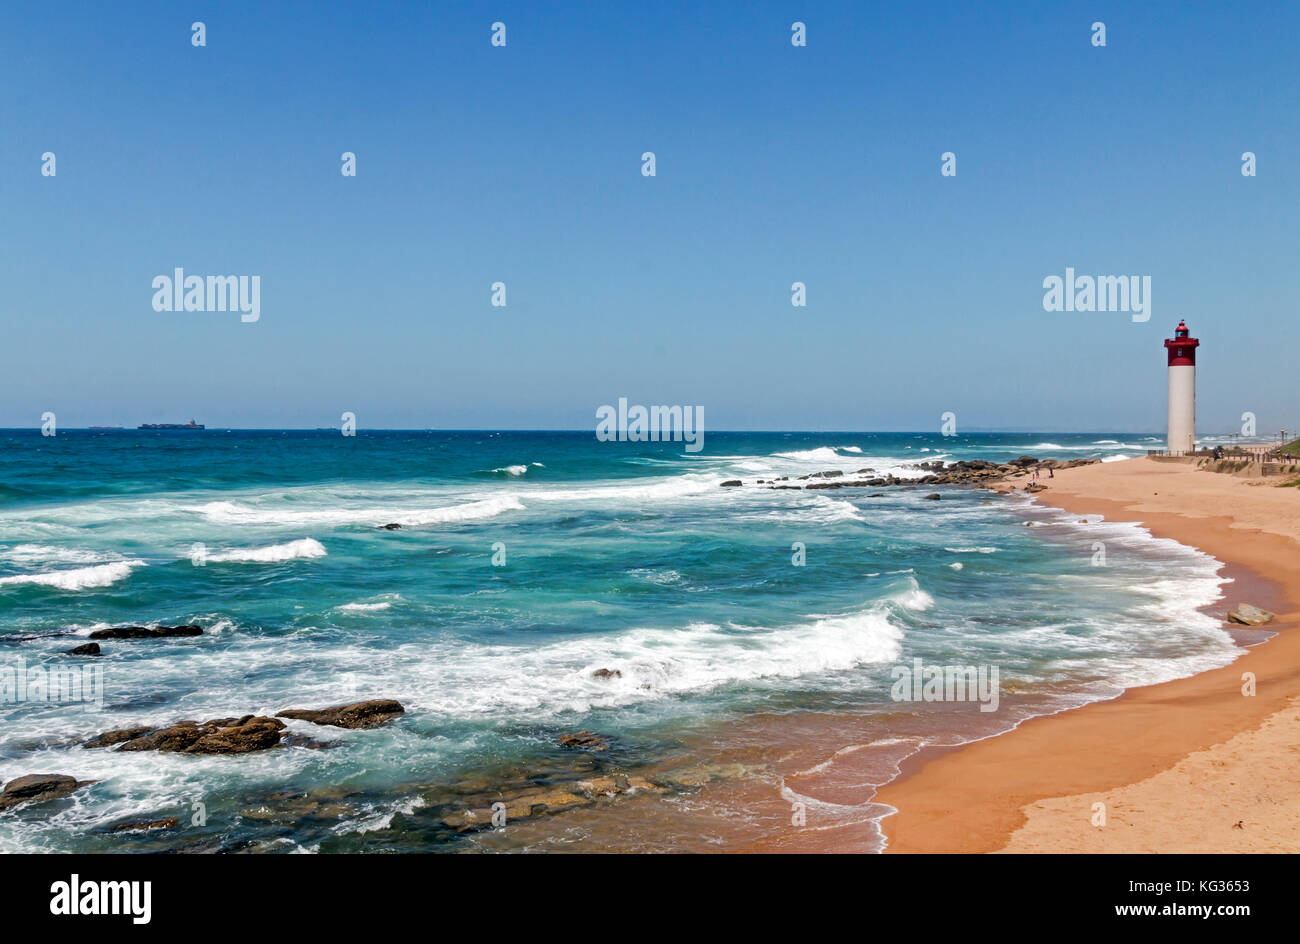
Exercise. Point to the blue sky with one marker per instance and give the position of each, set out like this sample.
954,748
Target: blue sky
522,164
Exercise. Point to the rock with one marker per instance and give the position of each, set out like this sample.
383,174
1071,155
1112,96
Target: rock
34,788
362,714
933,496
89,649
876,495
120,736
219,736
584,739
1023,461
142,632
1035,487
166,823
163,632
301,740
393,526
1248,615
732,483
607,674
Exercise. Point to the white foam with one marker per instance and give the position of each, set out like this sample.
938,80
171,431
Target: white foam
821,454
229,512
487,508
82,578
304,548
52,554
376,606
654,663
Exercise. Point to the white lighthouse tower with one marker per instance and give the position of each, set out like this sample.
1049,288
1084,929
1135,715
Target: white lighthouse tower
1182,391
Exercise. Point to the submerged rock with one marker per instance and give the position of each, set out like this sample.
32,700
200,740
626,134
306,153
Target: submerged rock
499,809
394,526
589,740
143,632
89,649
1249,615
933,496
165,823
362,714
607,674
34,788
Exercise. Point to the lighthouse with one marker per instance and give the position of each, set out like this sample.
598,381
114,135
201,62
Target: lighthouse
1182,391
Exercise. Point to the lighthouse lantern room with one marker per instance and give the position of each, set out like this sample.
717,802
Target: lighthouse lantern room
1182,391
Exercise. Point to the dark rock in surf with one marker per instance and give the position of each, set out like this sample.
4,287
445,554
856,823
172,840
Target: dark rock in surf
143,632
35,788
588,740
218,736
732,483
89,649
362,714
166,823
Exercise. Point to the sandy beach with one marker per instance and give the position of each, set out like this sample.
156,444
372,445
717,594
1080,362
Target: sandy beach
1192,765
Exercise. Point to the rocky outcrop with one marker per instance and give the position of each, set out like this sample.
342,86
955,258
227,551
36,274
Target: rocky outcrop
218,736
35,788
732,483
978,473
362,714
89,649
1248,615
589,740
933,496
393,526
144,632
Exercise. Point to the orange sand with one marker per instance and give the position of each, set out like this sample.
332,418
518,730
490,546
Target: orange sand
1186,766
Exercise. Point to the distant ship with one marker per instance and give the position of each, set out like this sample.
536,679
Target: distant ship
190,425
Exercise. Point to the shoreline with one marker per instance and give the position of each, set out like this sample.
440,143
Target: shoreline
1048,771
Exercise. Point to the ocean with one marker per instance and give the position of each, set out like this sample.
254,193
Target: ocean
732,621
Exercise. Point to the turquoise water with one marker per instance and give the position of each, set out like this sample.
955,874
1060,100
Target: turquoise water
627,556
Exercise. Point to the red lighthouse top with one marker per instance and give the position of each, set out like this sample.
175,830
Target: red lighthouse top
1182,349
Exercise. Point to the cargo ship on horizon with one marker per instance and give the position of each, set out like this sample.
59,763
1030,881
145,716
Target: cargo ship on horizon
190,425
